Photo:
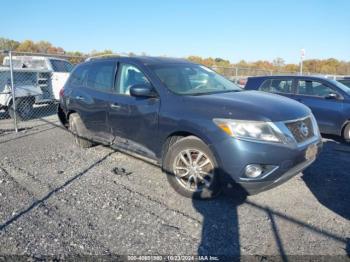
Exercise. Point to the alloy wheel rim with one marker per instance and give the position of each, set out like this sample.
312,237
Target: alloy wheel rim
193,170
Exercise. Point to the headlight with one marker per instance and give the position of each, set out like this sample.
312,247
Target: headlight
251,130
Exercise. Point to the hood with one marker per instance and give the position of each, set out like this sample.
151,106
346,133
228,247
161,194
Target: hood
248,105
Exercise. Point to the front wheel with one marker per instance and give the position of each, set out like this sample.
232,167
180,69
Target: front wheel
191,169
346,133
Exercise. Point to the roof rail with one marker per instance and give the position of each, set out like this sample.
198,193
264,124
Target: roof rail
105,55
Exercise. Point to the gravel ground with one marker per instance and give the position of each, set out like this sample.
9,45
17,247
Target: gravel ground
57,199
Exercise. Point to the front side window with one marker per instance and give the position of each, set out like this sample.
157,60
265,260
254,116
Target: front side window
101,75
277,86
188,79
79,75
61,66
129,75
313,88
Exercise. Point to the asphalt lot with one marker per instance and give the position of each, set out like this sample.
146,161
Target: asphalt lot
57,199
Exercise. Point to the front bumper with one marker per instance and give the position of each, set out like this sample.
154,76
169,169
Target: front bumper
255,187
234,155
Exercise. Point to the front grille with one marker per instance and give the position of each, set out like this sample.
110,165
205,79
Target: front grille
302,130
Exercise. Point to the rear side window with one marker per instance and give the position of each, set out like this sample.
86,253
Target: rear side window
101,75
314,88
61,66
277,86
79,75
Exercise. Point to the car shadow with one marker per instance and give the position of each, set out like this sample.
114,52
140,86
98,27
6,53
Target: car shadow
220,226
329,178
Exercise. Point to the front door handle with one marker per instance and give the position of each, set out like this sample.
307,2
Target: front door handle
115,106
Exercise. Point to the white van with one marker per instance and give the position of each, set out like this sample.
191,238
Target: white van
37,80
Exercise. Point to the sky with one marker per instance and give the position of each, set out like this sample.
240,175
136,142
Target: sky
230,29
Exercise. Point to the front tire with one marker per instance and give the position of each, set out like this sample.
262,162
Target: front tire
346,133
191,169
76,126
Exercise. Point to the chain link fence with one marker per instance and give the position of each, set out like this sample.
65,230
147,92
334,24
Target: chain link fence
239,75
5,91
29,88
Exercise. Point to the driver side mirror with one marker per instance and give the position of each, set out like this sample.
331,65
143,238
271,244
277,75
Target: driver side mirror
143,90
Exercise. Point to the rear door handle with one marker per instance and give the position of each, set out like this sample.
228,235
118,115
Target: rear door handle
115,106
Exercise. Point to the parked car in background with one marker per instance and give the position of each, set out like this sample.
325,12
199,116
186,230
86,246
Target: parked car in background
59,68
31,87
201,128
328,99
345,81
37,80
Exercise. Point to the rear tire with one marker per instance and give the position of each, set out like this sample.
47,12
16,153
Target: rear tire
346,133
188,156
77,127
24,108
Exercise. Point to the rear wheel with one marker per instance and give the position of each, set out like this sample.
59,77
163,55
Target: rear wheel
24,108
191,169
76,126
346,132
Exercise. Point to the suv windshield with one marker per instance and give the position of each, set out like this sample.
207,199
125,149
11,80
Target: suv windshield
189,79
